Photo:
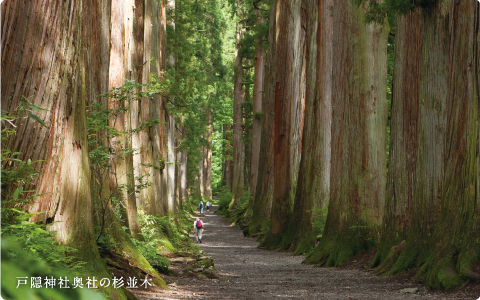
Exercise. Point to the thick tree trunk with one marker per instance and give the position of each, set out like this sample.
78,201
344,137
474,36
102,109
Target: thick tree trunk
120,67
53,68
158,46
257,109
440,224
421,110
289,63
262,203
313,179
404,135
359,122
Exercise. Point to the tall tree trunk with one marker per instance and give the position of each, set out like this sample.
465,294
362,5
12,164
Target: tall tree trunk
238,97
238,147
121,66
404,135
264,191
359,122
422,118
158,46
200,177
289,60
257,108
171,164
164,158
208,158
314,176
56,78
247,123
227,169
182,170
440,223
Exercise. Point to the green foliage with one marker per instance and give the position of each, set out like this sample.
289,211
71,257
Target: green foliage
18,263
17,174
378,12
28,249
39,243
319,220
107,145
162,235
225,197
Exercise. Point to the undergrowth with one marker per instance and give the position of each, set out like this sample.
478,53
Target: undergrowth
30,253
164,236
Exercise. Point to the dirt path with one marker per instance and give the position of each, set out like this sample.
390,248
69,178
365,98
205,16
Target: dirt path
254,273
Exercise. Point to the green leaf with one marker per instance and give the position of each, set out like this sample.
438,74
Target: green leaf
36,107
38,120
17,192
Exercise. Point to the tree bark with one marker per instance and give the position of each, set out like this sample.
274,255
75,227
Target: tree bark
257,108
208,158
157,108
314,175
227,169
440,224
262,203
238,146
53,68
359,122
289,62
404,135
171,164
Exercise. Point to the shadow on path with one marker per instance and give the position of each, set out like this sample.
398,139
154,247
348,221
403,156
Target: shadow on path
247,272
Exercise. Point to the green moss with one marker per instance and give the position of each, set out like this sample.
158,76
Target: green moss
443,274
390,259
408,259
335,251
305,245
271,242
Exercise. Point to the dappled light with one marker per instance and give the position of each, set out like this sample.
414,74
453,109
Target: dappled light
330,148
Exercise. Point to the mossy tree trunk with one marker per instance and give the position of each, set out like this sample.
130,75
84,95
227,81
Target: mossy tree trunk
264,191
314,176
359,122
418,134
49,64
404,136
442,238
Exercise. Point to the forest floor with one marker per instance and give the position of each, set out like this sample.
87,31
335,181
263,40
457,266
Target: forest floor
247,272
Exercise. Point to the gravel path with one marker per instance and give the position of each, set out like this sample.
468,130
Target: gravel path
254,273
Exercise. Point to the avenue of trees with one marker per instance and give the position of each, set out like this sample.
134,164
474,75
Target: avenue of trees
369,136
326,128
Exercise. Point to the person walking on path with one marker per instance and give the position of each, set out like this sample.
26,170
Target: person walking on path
200,207
208,206
198,225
